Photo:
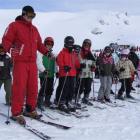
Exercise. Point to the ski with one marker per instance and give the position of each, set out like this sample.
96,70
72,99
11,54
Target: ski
113,104
79,115
99,107
50,116
30,129
53,124
131,101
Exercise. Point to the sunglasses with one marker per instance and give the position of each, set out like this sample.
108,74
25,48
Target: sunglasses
31,15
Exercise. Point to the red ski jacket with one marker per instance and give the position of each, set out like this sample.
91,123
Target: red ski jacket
24,39
65,58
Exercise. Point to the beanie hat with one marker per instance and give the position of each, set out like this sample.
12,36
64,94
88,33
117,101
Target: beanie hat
27,9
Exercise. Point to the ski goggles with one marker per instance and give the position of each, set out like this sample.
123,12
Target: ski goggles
31,15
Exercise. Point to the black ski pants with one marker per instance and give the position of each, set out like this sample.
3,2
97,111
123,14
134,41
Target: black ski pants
125,86
65,94
46,90
85,87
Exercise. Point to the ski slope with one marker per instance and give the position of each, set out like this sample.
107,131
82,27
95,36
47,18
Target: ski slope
102,27
117,123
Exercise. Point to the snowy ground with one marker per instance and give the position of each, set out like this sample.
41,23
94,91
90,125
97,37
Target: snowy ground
108,124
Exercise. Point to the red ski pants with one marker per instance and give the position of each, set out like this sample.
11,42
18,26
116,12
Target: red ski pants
24,87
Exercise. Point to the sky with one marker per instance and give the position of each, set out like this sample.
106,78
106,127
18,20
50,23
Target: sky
131,6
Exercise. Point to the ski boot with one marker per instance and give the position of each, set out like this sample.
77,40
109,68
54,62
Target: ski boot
64,108
107,100
87,102
78,105
133,89
29,112
19,118
32,114
129,96
102,100
71,107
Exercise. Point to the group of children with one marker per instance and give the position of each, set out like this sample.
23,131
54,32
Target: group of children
74,66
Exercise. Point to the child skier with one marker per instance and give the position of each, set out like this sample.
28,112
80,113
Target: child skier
125,68
5,76
107,68
46,66
68,62
87,65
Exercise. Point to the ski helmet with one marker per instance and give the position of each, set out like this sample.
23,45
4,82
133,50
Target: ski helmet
77,48
28,10
87,42
49,41
107,49
133,48
69,40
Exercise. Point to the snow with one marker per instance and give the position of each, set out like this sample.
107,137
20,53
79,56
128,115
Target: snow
117,123
109,124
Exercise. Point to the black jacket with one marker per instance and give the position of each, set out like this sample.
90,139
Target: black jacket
5,67
134,58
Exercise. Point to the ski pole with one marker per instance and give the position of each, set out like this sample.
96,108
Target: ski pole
77,97
62,89
8,116
116,85
124,88
54,82
8,110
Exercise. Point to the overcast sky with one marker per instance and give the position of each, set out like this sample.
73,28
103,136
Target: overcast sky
131,6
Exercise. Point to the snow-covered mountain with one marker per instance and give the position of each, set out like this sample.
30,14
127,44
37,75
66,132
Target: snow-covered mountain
102,27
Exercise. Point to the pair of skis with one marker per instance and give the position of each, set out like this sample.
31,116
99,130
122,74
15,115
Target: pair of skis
76,114
37,132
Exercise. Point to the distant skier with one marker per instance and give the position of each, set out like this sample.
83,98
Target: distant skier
5,76
68,62
23,39
125,68
46,66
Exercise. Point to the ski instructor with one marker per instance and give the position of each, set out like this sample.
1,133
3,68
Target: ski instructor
23,40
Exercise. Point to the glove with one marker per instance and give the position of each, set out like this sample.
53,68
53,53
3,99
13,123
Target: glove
122,69
45,72
67,68
57,75
49,54
82,65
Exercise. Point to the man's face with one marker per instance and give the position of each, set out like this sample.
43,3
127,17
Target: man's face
29,16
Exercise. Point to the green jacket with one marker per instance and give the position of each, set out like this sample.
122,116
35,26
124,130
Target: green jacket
49,64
